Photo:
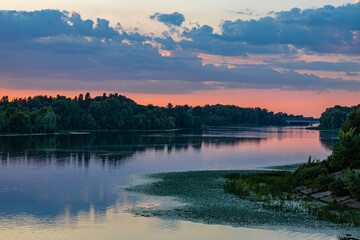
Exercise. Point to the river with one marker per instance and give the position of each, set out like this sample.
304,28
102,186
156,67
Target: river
73,186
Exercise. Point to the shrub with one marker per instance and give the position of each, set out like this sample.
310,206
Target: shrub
352,183
337,187
322,182
307,173
347,152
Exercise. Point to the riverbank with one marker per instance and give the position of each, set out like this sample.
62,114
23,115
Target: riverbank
87,131
79,132
323,129
204,200
275,190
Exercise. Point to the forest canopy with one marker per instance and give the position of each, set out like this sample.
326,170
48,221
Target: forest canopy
116,112
336,116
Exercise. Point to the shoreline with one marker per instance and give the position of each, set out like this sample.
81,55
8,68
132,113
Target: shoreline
327,197
205,201
323,129
275,190
85,131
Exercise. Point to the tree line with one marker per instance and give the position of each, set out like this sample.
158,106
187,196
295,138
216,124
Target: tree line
116,112
336,116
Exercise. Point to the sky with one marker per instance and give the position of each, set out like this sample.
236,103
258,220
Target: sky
297,57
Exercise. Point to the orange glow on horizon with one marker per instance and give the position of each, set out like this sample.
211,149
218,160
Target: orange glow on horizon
307,103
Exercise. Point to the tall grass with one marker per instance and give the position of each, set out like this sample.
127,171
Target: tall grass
274,191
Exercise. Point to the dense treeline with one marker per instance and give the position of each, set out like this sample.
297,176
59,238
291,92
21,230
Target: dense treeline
336,116
49,114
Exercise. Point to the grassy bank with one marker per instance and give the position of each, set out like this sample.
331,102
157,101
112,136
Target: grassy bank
275,191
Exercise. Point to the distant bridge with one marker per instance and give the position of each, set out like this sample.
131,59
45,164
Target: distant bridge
302,121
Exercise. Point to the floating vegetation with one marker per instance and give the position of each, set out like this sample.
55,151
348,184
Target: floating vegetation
205,201
274,191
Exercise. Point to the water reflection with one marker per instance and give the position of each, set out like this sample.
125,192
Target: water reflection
329,138
64,178
113,148
110,148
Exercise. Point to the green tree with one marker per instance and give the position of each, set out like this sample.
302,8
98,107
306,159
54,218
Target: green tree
89,122
353,122
334,117
347,152
20,122
3,122
352,182
49,121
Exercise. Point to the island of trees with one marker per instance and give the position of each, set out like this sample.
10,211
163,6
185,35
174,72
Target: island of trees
116,112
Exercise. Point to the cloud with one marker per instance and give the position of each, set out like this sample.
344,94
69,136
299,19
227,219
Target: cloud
247,12
320,65
23,25
56,50
351,74
323,30
175,18
203,39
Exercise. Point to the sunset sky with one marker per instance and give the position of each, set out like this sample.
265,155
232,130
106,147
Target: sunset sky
291,56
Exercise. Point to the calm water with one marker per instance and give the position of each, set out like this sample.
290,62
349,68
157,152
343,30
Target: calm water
72,186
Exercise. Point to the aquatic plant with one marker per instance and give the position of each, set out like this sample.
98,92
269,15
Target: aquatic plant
274,191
